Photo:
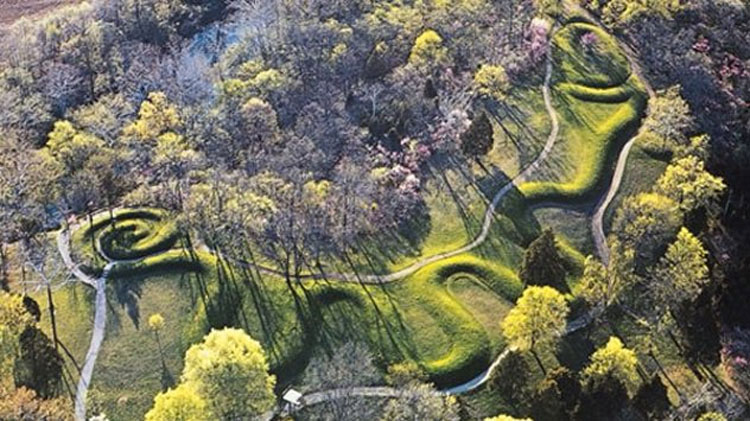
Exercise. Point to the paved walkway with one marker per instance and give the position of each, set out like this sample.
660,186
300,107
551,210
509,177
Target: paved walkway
597,220
99,284
100,313
100,320
489,214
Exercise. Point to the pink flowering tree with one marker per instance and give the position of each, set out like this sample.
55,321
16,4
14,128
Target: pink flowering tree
589,41
538,46
735,358
446,133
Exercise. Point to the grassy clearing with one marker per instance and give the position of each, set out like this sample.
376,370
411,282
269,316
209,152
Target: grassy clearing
74,318
430,318
456,203
132,366
445,317
571,224
520,132
587,55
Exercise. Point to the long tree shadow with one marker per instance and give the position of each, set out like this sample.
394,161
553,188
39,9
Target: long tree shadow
127,293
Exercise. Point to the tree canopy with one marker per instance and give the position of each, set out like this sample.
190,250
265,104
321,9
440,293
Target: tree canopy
682,272
615,360
182,403
225,377
537,320
687,182
542,264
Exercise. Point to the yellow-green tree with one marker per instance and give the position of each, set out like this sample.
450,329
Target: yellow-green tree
14,319
156,324
180,404
230,371
428,48
669,119
549,7
712,416
492,82
615,360
71,148
683,271
155,117
599,287
687,182
643,227
507,418
537,320
618,12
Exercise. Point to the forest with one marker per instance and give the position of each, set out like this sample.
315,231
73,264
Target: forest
375,210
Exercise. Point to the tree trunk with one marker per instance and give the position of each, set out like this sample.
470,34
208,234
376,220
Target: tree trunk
158,344
538,361
91,229
4,281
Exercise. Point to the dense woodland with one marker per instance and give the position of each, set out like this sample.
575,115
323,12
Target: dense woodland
295,132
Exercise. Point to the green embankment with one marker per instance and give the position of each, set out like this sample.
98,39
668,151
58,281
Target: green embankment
428,317
600,103
445,316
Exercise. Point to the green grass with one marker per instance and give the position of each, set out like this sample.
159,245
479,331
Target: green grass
74,318
132,367
641,173
600,65
446,316
456,203
172,261
431,318
599,104
572,224
520,131
134,239
124,234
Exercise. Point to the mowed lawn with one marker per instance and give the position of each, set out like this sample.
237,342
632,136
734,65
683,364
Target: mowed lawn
450,327
445,316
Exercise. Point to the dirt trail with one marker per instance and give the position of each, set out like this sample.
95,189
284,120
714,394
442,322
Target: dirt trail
100,319
12,10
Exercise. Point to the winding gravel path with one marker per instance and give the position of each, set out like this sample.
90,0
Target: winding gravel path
489,214
99,284
100,313
597,220
100,319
